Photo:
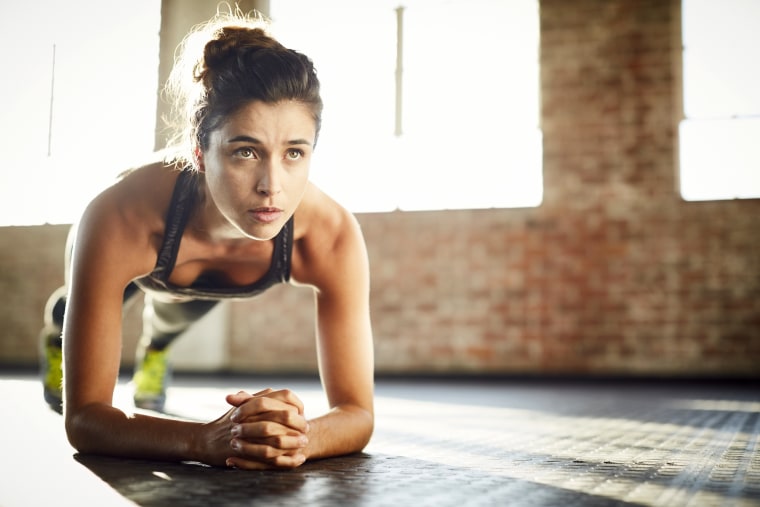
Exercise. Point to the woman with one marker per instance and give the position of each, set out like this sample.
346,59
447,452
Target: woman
230,214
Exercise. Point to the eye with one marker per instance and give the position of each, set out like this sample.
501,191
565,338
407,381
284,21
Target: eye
294,154
245,152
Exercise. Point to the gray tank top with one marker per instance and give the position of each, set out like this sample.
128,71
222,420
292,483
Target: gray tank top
180,207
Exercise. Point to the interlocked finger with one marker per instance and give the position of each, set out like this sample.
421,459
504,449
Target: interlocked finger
286,418
257,456
282,461
270,433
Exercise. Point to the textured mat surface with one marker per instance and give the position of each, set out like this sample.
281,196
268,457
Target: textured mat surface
436,443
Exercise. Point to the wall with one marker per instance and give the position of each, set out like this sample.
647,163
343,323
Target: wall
613,274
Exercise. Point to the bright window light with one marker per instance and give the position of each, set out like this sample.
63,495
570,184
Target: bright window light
78,94
433,105
719,154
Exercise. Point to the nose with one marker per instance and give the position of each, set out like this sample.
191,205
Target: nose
268,182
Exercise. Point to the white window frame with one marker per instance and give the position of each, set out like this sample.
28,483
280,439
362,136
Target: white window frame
476,146
719,157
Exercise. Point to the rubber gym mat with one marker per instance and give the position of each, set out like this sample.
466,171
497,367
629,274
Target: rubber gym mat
444,442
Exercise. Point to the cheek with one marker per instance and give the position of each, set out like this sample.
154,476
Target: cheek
225,187
235,181
301,175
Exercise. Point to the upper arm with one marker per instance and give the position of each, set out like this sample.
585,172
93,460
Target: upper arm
102,265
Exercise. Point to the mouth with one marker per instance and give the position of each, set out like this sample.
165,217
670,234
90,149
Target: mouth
265,215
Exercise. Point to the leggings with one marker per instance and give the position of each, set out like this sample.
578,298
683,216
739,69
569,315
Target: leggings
162,321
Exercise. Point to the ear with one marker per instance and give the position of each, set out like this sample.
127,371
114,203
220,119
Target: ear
198,160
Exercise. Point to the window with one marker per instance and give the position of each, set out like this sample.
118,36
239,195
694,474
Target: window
78,93
430,105
719,154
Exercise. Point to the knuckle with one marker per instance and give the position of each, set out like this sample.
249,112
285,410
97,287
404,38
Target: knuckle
290,397
268,428
287,419
271,453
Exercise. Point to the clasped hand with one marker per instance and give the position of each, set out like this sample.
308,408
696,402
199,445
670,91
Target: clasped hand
267,430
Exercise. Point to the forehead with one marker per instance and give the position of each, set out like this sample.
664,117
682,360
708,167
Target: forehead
286,118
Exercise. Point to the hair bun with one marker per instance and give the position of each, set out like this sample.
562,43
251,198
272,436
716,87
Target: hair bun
231,42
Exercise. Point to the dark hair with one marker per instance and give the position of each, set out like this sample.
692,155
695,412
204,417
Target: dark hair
239,63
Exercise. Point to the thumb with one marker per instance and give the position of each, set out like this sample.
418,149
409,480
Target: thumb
238,398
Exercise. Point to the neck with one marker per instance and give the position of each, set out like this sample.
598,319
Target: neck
208,224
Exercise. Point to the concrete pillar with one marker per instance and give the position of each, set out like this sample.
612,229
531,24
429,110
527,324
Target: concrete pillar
177,18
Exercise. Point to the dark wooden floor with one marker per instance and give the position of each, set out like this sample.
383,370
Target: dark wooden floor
437,442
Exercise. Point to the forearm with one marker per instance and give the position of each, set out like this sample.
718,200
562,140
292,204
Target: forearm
102,429
343,430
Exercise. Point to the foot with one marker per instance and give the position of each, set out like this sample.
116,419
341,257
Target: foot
51,368
150,380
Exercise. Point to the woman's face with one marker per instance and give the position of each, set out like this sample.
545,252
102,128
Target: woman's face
257,167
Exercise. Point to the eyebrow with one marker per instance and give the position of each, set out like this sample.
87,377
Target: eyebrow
253,140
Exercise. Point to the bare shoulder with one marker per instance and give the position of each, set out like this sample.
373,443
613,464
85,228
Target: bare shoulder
127,219
322,219
328,238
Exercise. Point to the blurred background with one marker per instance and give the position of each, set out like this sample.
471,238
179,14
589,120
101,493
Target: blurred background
553,187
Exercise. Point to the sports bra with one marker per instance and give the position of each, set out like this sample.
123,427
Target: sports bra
180,207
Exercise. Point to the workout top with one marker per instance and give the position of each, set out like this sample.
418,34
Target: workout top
180,207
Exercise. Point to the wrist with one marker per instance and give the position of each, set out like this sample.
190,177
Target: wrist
199,446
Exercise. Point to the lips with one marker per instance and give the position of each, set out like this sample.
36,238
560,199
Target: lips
266,215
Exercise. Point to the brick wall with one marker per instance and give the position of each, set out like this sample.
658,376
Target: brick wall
613,274
31,268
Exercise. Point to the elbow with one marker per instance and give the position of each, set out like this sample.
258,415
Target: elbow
79,429
75,432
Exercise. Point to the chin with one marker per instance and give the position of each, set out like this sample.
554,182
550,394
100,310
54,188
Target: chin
262,232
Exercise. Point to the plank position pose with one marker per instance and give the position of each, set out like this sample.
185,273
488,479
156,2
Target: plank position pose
229,213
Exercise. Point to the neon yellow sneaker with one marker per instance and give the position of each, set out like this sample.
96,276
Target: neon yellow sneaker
151,377
51,367
51,349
